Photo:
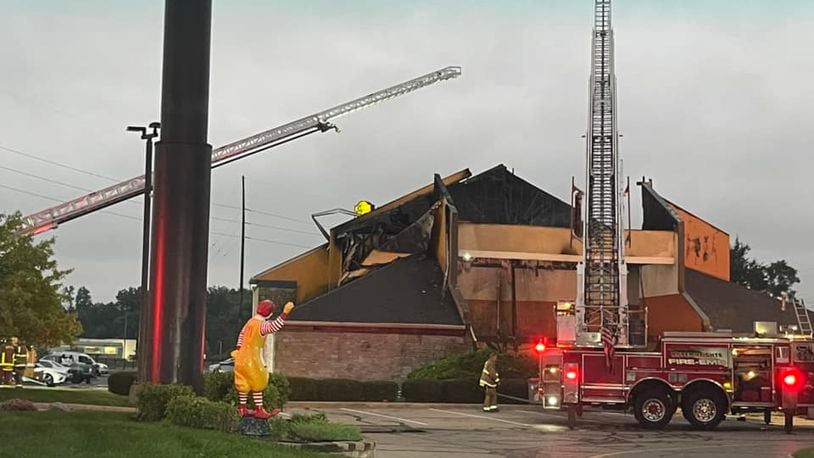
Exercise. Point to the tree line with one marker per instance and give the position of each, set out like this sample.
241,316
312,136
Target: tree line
120,318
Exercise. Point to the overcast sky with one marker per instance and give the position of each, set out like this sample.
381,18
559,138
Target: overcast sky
714,104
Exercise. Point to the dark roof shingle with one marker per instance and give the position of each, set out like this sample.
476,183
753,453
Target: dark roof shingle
407,291
732,306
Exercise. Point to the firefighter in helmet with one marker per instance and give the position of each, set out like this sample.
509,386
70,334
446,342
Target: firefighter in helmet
20,359
251,374
489,380
6,363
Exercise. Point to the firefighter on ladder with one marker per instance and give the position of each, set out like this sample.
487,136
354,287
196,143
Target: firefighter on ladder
489,380
251,374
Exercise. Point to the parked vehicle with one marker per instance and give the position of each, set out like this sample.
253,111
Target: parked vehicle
68,358
51,373
223,366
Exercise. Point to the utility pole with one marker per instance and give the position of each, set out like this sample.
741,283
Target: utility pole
242,245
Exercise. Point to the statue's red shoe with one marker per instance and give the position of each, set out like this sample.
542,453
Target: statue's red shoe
262,413
245,411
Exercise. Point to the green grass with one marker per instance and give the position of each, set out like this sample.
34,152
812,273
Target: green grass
805,453
94,397
315,432
104,434
314,428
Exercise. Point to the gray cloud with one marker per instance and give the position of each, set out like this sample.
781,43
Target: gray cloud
716,111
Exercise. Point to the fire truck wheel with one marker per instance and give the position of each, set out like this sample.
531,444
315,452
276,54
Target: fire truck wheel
653,408
704,408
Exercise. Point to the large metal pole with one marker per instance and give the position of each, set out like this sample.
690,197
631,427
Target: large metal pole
182,187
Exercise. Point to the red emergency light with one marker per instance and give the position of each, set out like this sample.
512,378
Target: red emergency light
540,347
571,375
791,377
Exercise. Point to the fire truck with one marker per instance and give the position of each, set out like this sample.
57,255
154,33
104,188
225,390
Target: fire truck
602,357
707,374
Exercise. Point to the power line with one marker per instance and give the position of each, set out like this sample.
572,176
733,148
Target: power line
47,180
257,239
263,212
217,218
58,164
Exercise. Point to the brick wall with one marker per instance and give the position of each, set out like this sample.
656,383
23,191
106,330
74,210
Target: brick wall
361,356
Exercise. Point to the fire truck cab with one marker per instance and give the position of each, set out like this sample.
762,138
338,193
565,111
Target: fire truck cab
706,374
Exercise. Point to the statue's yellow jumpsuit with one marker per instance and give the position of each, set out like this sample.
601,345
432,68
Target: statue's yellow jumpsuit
251,374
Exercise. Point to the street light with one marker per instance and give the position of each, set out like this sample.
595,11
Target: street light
146,316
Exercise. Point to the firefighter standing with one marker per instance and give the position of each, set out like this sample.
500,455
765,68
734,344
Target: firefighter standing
489,380
20,358
6,363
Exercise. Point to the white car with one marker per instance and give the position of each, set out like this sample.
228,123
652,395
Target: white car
50,372
223,366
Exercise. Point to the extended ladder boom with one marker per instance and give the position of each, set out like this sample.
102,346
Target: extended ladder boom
602,296
319,122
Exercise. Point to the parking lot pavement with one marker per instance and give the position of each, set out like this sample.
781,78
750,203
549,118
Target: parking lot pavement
527,432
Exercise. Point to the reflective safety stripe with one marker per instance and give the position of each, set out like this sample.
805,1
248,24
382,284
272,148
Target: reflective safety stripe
485,383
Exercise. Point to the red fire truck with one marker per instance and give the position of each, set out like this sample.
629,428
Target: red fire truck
707,374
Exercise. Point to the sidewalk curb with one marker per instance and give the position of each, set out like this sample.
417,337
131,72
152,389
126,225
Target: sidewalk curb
389,405
87,407
361,449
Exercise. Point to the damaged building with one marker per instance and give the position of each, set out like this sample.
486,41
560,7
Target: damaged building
469,260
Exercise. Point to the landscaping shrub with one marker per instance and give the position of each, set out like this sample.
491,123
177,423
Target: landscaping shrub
378,391
465,391
306,389
18,405
515,387
199,412
153,400
421,391
216,385
470,365
120,382
340,390
220,387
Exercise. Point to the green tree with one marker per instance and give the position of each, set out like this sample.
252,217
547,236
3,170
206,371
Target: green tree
223,322
775,278
31,297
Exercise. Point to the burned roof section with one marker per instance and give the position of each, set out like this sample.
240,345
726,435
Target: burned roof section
406,291
732,306
657,214
498,196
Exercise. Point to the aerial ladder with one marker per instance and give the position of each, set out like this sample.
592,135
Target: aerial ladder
322,121
601,303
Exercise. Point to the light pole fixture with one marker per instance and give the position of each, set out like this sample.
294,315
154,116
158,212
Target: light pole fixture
144,336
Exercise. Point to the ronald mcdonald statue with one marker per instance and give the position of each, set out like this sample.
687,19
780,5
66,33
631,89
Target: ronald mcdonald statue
251,375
